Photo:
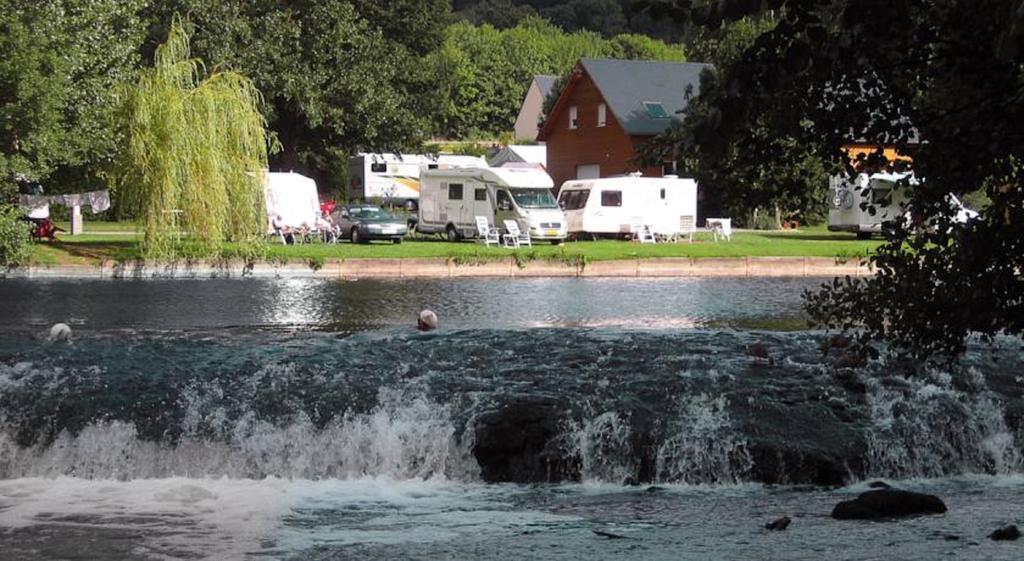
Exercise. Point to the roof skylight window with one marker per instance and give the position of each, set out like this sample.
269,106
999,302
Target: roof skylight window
655,110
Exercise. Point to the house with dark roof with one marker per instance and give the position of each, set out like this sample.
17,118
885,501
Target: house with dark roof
529,113
608,109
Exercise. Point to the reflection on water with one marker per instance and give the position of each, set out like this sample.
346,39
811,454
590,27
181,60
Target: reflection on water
370,304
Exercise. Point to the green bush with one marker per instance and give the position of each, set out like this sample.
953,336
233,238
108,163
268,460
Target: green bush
14,237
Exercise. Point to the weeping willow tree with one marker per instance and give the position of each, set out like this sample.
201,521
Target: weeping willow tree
196,149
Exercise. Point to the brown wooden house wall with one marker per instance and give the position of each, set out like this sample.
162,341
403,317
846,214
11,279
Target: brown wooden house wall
608,146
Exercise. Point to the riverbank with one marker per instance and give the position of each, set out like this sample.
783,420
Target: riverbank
509,266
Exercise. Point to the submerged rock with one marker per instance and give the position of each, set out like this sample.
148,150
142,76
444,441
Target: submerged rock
515,443
779,524
1004,534
888,503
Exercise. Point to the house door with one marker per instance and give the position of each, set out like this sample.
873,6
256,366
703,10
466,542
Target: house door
588,171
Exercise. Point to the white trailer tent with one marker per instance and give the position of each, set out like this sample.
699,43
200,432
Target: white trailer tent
291,196
451,198
612,205
395,178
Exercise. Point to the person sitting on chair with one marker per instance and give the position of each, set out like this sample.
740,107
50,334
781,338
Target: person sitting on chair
283,230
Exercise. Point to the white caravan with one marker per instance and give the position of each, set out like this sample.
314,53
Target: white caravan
862,204
291,196
853,200
610,206
395,178
451,198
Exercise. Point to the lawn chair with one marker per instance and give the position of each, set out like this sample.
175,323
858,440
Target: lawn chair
518,237
487,233
641,232
720,227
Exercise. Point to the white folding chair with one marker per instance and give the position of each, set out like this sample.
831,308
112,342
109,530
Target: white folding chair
521,238
641,232
487,233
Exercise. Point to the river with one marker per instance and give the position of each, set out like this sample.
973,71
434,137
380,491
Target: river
307,419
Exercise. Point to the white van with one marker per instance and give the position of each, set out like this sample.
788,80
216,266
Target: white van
610,206
862,204
395,178
451,198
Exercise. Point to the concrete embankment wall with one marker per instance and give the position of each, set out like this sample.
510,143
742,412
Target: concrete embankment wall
445,268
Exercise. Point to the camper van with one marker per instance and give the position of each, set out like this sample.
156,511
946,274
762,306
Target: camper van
862,204
395,178
609,207
452,197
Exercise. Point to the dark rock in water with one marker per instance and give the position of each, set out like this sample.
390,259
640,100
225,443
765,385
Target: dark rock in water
879,485
654,489
839,341
1008,533
851,358
888,503
778,525
515,443
759,350
848,380
609,535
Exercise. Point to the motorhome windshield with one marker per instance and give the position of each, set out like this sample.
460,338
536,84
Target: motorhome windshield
533,198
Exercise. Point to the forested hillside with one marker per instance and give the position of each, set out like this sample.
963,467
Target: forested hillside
607,17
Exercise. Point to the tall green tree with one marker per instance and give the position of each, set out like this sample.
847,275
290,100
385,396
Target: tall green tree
834,71
61,62
333,80
196,145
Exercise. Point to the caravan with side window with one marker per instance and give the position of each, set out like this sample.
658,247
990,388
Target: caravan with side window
610,207
394,179
451,198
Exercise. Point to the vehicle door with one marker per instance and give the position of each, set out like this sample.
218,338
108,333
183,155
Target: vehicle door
504,208
343,222
481,204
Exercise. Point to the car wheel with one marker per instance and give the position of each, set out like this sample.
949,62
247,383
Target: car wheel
863,235
453,234
396,241
556,242
355,236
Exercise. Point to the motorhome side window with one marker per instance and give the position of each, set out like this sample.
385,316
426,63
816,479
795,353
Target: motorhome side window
611,198
378,167
454,191
480,194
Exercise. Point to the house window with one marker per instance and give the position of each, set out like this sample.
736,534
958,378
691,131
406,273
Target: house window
480,194
378,167
602,114
454,191
588,171
611,198
655,110
572,118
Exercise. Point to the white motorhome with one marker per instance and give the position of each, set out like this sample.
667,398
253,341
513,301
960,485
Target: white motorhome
452,197
610,206
395,178
863,203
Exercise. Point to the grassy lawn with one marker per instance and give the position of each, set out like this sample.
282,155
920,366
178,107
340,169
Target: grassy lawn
116,242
